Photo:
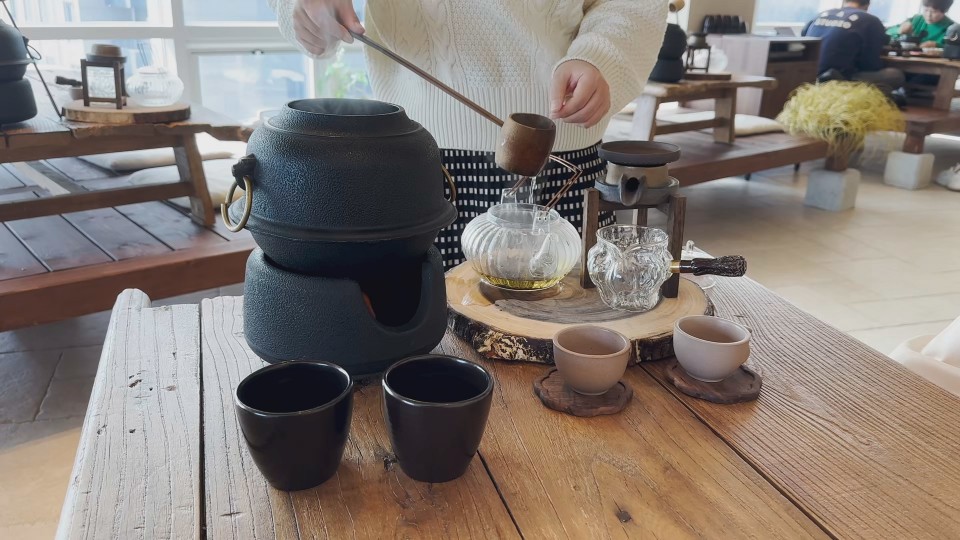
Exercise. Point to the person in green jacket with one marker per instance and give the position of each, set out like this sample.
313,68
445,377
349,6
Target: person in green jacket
932,19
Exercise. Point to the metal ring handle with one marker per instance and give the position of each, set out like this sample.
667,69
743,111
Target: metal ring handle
450,182
247,205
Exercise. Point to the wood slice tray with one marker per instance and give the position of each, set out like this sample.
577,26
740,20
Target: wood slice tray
520,326
108,113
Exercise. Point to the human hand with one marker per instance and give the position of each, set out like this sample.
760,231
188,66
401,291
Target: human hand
579,94
906,27
929,45
318,24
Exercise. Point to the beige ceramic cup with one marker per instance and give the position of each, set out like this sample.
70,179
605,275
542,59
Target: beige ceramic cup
591,359
709,348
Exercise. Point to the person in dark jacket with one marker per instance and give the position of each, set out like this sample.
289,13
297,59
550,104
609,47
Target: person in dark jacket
852,45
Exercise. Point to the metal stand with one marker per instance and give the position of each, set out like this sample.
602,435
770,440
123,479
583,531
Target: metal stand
674,208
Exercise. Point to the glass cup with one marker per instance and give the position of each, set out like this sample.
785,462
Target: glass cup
628,265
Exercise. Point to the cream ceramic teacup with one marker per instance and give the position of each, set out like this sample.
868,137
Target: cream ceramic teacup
710,348
591,359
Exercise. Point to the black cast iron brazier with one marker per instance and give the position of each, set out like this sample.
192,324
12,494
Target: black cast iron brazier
340,184
363,323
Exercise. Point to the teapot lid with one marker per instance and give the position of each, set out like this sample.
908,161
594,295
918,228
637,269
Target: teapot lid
639,153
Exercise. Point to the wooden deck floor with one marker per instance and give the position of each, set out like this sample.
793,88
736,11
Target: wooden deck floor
82,260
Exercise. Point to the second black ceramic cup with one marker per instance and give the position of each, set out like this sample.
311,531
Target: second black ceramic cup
436,409
295,417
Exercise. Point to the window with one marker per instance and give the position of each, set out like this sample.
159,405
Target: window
771,13
229,53
244,85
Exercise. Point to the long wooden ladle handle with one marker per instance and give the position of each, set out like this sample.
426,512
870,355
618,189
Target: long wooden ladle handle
429,78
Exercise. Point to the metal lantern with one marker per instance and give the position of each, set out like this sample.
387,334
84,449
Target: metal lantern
99,86
693,56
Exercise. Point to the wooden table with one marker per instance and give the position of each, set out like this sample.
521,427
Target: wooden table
947,70
724,92
46,138
842,443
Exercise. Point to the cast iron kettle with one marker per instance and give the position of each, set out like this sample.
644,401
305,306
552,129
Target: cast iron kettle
334,186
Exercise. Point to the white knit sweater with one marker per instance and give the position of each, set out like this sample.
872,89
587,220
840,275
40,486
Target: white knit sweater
502,54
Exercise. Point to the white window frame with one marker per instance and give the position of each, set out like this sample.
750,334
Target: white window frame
190,40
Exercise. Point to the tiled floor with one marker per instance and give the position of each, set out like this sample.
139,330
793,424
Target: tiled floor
884,272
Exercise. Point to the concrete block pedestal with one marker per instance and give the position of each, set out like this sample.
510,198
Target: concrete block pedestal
908,171
832,190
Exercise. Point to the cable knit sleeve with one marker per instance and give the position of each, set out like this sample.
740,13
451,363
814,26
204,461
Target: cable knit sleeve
284,11
622,39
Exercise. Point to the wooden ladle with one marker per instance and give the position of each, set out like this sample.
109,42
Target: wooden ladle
525,140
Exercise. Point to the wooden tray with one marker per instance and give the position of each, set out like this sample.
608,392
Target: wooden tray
109,114
520,326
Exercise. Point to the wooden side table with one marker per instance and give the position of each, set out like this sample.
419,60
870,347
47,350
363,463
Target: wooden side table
724,92
45,138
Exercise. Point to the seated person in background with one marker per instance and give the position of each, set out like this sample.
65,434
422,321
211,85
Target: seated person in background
930,24
852,45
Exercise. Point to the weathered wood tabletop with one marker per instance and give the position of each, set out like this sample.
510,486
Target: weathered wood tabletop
841,443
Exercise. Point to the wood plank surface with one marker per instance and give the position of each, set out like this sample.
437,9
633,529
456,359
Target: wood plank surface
56,243
15,259
115,234
33,149
48,178
79,170
170,226
144,413
8,180
369,497
863,445
702,159
58,295
686,89
652,471
87,200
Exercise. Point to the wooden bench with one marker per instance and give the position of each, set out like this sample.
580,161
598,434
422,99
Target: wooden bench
59,266
702,159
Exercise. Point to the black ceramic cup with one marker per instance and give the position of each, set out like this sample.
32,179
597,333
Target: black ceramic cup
436,409
295,417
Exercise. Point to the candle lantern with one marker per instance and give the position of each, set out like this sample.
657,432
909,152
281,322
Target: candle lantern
696,59
102,76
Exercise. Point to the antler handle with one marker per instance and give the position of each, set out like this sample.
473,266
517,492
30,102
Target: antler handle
728,265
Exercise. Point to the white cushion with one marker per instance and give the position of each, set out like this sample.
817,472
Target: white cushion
746,124
133,160
218,174
939,373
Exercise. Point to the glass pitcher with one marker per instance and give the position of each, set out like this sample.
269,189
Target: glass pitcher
628,265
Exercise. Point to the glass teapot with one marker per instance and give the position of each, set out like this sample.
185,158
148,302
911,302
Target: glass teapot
521,246
630,263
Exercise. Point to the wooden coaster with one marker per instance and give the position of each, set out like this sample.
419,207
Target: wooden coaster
743,385
556,395
109,114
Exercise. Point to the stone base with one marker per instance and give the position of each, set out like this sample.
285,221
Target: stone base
830,190
908,171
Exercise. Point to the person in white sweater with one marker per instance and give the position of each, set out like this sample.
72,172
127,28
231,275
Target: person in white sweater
577,61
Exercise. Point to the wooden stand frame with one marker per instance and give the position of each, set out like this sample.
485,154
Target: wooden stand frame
118,81
674,208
